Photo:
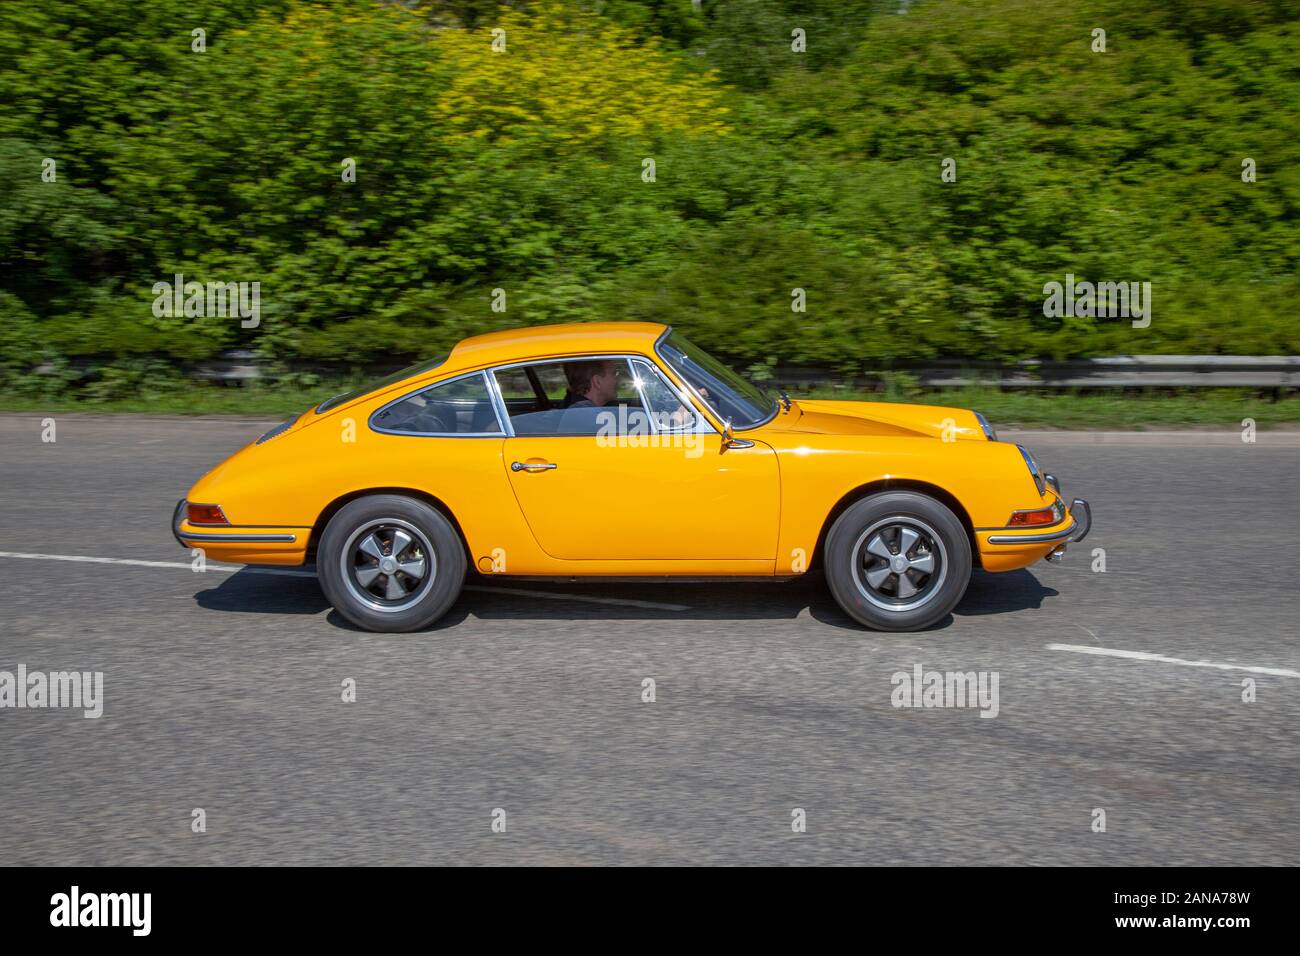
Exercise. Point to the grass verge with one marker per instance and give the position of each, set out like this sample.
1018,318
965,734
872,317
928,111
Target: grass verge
1209,408
1217,408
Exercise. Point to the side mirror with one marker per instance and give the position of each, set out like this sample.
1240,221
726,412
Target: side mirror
729,439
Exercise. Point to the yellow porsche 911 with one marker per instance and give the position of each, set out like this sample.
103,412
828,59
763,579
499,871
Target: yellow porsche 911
621,449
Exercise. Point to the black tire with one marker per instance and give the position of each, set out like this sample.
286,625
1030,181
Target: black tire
386,521
885,522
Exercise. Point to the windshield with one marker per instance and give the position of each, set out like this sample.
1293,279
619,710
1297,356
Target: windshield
731,397
417,369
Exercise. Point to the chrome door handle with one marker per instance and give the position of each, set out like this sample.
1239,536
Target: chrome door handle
532,466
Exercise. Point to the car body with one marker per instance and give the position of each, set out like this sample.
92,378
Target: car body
692,473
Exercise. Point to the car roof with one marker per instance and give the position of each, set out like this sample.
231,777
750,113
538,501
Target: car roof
545,341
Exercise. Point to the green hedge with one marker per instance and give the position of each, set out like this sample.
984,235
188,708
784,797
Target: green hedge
522,170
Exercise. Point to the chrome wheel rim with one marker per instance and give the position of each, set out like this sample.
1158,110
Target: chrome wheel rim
388,564
899,563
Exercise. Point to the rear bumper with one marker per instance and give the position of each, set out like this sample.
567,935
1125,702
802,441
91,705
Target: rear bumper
241,546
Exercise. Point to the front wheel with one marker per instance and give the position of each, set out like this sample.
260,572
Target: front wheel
390,563
897,561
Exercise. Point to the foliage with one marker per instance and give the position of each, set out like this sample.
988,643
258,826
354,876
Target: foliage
522,170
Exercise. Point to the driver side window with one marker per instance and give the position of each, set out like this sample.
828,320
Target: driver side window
591,395
670,412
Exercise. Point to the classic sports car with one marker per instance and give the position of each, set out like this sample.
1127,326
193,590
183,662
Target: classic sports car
622,450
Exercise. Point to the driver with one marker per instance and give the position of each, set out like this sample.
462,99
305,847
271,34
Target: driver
591,384
594,384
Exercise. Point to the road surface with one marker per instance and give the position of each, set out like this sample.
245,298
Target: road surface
222,690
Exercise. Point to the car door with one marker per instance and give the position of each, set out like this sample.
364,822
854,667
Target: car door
644,478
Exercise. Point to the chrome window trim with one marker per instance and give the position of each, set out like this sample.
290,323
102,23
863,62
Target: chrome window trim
776,406
627,357
370,422
640,390
499,403
682,399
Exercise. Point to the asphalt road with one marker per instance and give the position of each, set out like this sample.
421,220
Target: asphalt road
222,691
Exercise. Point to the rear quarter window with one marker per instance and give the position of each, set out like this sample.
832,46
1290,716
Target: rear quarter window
462,406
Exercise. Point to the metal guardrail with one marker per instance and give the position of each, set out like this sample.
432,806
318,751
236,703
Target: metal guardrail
1121,371
237,366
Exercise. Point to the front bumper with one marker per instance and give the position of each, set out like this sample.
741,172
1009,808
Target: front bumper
1002,549
1080,523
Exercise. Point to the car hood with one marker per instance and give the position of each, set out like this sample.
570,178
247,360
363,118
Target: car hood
879,418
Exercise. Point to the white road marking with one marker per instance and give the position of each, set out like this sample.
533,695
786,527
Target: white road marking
1162,659
93,560
289,572
185,565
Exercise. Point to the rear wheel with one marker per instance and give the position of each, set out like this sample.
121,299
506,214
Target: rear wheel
897,561
391,563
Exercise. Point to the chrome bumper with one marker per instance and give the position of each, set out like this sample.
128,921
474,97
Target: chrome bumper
186,539
177,517
1081,512
1080,525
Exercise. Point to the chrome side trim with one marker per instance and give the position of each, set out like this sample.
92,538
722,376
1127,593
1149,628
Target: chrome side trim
1062,535
206,536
